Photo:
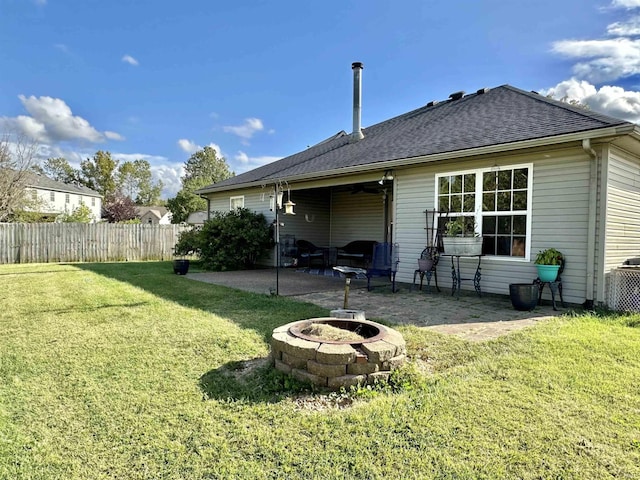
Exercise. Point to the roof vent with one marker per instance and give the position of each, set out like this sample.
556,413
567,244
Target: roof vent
457,95
482,91
432,103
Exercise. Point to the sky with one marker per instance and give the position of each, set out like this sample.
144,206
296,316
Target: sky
262,79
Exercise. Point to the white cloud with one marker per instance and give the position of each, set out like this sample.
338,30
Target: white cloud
62,47
113,136
246,130
628,4
190,147
243,162
625,29
51,121
605,60
610,100
130,60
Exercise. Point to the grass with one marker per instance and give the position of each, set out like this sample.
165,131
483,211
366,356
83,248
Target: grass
128,371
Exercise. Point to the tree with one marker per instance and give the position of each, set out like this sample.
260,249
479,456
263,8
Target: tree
81,214
134,179
99,173
203,168
118,208
58,169
16,160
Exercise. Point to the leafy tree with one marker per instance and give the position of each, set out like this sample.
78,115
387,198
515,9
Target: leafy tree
81,214
135,180
58,169
16,159
99,173
234,240
203,168
118,208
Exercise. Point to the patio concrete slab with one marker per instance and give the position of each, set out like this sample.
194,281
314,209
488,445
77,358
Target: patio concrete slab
470,317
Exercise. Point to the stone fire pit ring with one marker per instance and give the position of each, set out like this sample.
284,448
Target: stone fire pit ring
337,363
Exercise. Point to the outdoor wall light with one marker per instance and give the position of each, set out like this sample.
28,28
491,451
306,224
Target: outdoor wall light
388,176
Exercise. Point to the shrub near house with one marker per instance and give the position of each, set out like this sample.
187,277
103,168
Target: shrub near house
233,240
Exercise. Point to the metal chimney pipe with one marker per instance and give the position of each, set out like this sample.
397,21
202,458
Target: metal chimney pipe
357,134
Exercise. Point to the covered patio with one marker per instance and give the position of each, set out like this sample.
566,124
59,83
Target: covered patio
470,317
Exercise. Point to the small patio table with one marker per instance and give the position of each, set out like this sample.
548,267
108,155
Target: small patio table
457,278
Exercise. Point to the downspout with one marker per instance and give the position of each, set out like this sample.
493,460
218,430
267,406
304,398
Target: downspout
591,226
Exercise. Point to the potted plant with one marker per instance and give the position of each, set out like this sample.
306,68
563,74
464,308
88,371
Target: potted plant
524,296
460,237
187,245
548,263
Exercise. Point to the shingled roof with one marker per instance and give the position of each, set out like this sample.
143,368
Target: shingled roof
35,180
501,115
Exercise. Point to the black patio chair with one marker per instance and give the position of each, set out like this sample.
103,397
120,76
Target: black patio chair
428,261
308,253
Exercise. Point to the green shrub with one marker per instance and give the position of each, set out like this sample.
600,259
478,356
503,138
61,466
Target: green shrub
188,242
234,240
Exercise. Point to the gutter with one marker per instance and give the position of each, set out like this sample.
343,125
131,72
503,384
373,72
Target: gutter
591,228
405,162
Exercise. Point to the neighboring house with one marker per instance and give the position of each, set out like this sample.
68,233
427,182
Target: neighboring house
154,215
197,218
533,172
53,198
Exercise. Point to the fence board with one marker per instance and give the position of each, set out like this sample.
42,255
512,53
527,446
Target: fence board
83,242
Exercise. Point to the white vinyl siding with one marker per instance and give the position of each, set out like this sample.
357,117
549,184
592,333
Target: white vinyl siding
559,218
623,211
356,216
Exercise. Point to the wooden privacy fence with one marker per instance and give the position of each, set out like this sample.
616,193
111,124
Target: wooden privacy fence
86,242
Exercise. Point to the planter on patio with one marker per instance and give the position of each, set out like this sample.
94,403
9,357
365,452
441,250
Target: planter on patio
524,296
181,266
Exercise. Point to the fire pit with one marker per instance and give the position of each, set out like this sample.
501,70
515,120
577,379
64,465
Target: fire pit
337,352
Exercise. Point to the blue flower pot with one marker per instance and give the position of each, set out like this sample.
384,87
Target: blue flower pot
548,273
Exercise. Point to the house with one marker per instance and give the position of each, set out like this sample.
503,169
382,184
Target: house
154,215
532,172
52,198
197,218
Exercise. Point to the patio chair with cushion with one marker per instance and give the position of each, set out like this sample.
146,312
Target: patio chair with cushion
386,257
357,253
308,253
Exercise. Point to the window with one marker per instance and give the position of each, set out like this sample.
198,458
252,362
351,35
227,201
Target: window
495,202
34,195
236,202
52,196
66,198
93,201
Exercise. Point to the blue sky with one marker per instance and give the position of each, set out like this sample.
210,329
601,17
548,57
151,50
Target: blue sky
259,80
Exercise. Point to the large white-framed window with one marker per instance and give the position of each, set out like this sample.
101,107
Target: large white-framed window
495,202
236,202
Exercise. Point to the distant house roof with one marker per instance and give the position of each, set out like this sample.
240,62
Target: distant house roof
156,211
500,116
197,218
34,180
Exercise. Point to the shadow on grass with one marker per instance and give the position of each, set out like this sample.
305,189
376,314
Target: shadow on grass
259,312
253,381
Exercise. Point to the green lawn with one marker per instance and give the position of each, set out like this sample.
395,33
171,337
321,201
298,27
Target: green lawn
128,371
